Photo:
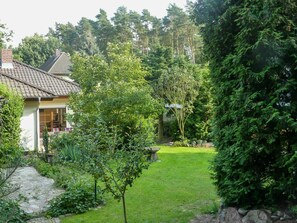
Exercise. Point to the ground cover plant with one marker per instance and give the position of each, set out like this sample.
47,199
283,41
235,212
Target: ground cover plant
174,189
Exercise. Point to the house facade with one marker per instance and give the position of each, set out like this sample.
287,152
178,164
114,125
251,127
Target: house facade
45,96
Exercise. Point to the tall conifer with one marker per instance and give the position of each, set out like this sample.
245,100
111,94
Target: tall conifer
252,48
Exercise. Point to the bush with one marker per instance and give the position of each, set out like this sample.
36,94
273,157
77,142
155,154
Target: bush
61,175
11,212
78,198
11,109
182,143
79,195
60,141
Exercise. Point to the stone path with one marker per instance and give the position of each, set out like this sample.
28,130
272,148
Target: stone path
35,190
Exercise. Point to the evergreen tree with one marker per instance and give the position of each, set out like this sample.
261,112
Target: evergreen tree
252,50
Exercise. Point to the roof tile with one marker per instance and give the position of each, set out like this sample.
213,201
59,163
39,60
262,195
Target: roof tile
29,78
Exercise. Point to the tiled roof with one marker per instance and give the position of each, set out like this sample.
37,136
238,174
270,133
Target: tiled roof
24,89
30,81
58,64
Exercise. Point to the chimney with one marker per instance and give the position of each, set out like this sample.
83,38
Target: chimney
6,58
58,53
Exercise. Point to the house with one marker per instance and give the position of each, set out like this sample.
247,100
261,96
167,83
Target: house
45,96
59,64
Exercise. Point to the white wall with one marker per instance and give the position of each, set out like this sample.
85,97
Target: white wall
28,126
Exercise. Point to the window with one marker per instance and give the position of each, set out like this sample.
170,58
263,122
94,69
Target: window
53,119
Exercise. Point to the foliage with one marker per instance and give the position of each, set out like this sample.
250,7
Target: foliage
198,125
6,172
70,153
79,195
5,35
59,141
11,212
175,31
115,159
45,140
173,190
293,210
180,89
77,199
11,108
113,90
62,175
252,50
182,143
36,49
156,62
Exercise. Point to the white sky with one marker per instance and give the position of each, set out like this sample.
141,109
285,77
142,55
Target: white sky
26,17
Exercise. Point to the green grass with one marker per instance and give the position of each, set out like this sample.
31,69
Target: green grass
173,190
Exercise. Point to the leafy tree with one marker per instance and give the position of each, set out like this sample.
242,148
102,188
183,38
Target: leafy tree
252,52
5,35
35,50
114,90
67,35
180,89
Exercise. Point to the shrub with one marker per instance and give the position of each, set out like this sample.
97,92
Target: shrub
182,143
11,108
59,141
11,212
61,175
78,198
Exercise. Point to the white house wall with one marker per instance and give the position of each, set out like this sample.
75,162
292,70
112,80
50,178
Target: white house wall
28,126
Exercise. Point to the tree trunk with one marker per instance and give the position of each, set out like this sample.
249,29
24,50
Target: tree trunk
95,189
161,128
124,208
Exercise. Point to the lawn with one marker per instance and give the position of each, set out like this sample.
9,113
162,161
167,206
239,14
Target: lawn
174,189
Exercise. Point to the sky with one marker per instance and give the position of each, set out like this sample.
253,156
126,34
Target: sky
26,17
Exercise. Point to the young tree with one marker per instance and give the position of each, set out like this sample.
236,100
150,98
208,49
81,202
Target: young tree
180,89
116,161
252,52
